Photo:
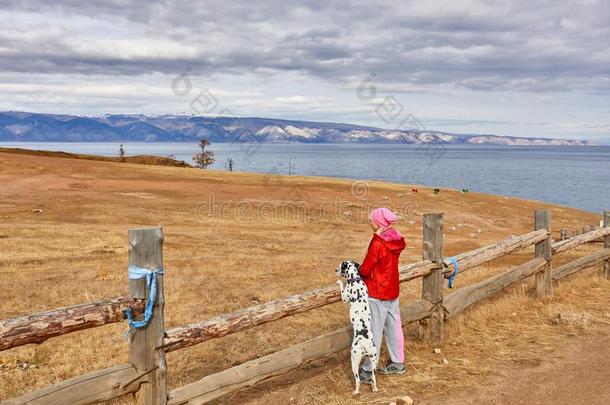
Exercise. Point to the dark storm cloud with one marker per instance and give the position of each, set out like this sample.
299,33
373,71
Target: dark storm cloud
538,46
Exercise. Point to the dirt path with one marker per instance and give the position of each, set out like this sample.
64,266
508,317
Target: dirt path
575,374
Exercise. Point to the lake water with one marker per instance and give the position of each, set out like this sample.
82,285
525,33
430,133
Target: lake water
573,176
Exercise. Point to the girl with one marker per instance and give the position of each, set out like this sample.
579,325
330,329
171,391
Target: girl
380,274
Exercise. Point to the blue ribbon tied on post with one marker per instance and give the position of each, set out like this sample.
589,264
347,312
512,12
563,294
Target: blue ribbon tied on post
456,269
136,273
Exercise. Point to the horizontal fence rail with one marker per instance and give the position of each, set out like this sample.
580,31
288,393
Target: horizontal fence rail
98,386
145,376
36,328
578,240
223,325
488,253
464,297
580,264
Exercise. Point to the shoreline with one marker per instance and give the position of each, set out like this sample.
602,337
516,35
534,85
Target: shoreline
194,141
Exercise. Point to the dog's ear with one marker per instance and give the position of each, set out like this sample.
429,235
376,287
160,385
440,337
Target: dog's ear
342,269
357,265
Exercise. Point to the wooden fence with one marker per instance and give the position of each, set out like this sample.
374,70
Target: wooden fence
145,375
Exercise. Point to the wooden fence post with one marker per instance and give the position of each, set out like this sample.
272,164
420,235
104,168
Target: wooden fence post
544,279
146,251
607,245
431,329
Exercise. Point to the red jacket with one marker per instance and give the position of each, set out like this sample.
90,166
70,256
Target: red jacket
379,270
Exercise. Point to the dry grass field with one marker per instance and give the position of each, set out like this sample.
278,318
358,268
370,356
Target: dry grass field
63,241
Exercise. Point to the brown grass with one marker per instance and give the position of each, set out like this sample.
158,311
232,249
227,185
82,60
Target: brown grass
75,250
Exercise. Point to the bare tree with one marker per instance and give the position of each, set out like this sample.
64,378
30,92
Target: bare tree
230,164
204,158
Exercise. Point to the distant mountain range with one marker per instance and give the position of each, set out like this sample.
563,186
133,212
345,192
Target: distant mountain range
24,126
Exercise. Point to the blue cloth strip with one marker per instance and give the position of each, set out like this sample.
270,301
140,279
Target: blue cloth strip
456,268
135,273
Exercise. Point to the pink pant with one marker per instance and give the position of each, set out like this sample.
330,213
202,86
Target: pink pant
385,320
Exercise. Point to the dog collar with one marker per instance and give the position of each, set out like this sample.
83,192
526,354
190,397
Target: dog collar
351,280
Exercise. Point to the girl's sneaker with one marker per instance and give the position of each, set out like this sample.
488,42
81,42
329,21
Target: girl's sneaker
366,377
393,368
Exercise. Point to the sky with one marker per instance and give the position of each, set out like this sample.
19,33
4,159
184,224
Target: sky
520,67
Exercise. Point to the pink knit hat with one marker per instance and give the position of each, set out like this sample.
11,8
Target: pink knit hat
383,217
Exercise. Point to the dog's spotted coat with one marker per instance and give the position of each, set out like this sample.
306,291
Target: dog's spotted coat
356,294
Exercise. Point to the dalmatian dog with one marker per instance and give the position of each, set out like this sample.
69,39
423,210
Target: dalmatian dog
356,294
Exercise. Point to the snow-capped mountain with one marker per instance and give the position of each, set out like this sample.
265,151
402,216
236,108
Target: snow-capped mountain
23,126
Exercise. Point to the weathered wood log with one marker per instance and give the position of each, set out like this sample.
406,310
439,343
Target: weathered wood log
463,298
246,318
214,386
431,328
607,244
38,327
415,270
488,253
544,279
145,354
475,257
581,263
226,324
89,388
578,240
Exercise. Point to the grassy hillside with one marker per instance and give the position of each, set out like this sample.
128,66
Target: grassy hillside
138,159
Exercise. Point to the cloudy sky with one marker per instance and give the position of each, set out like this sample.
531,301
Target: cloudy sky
519,67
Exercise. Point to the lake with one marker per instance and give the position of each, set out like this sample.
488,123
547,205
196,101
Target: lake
567,175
